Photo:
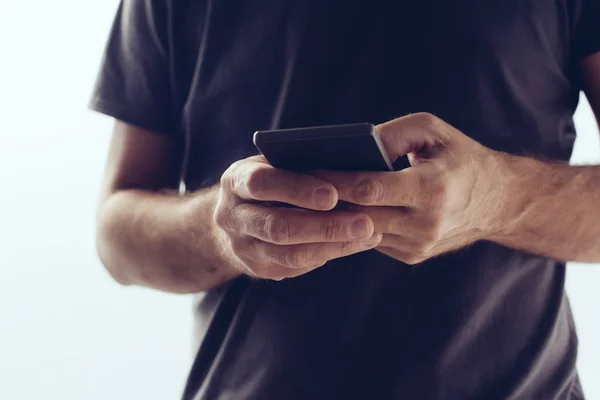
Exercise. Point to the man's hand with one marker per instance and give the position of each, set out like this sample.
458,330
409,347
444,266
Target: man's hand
448,198
275,241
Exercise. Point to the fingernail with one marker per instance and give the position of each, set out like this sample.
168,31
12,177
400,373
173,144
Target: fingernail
359,229
324,198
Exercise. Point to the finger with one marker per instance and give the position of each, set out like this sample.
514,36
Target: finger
404,244
301,256
402,221
418,133
255,180
392,220
289,226
400,188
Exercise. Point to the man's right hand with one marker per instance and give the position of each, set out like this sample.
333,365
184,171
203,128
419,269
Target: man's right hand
268,239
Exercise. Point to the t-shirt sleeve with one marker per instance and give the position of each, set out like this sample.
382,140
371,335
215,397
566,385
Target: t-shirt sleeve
587,30
133,84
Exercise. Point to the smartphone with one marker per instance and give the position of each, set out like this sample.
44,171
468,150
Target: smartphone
353,147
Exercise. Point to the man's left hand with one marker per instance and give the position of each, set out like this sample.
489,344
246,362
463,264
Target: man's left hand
451,196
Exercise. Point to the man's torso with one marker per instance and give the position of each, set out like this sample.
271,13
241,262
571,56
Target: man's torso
484,323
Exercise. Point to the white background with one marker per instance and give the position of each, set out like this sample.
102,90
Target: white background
67,332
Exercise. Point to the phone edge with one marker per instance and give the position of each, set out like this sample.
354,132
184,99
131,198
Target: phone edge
379,144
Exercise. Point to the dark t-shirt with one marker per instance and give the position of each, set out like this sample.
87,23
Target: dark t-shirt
486,322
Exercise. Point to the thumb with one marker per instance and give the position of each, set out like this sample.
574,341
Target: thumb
422,134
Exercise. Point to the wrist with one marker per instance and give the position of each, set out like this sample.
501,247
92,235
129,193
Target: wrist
530,188
514,192
208,239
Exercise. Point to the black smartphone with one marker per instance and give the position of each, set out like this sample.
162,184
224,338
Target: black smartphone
353,147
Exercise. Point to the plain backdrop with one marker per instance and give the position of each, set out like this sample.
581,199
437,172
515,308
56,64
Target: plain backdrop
67,332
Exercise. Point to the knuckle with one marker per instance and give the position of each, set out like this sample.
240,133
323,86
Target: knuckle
222,216
369,191
278,229
295,257
426,119
296,190
219,217
346,248
227,177
331,229
257,181
233,175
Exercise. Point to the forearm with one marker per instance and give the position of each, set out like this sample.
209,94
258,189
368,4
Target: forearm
551,209
148,239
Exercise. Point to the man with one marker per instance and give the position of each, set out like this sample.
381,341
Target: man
444,280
